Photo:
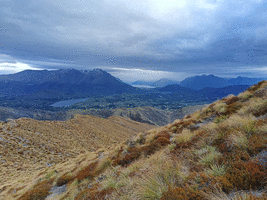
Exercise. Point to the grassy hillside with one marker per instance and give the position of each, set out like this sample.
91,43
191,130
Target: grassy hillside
218,152
28,145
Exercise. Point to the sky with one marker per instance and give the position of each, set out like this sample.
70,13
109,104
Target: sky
136,40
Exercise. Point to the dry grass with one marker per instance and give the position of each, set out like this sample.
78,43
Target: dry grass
238,139
185,136
178,161
55,142
220,107
245,95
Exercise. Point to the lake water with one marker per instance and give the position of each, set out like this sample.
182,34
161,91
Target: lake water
67,102
143,86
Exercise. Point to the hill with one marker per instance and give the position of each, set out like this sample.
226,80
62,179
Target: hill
66,81
28,145
159,83
148,114
200,82
218,152
163,82
211,81
244,80
145,114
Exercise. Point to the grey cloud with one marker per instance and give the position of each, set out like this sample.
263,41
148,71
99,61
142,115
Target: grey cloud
198,38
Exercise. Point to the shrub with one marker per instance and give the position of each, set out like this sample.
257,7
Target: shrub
39,192
232,108
220,119
231,100
87,172
246,175
141,139
64,179
163,134
93,194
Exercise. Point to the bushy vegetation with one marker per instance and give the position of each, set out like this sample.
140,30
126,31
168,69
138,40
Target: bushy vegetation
210,154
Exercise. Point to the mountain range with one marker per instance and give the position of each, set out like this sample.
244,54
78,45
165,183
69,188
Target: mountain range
41,89
200,82
159,83
96,81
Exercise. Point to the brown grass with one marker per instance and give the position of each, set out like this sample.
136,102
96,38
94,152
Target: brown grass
87,172
39,192
93,194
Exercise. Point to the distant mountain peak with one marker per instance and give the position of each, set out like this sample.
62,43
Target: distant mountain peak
98,69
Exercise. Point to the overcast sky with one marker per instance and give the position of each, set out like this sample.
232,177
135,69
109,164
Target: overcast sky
140,39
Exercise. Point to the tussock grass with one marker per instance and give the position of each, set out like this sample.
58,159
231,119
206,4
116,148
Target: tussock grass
159,177
208,155
245,96
219,194
220,119
185,136
238,139
216,170
220,107
256,106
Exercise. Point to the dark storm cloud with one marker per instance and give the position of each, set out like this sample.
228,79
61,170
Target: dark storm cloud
190,37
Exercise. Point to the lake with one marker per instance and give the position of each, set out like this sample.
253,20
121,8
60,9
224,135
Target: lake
67,102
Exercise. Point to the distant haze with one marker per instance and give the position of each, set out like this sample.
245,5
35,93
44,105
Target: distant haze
136,40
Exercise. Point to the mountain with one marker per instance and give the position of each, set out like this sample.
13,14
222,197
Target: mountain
142,82
96,81
243,81
203,81
218,152
159,83
200,82
163,82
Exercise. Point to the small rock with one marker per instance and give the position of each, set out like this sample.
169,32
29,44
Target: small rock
262,157
100,178
49,164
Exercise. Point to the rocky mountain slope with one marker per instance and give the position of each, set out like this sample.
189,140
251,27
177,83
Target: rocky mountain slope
218,152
